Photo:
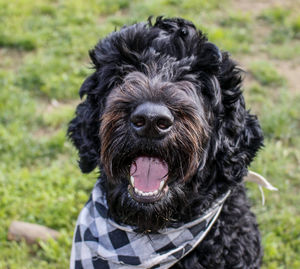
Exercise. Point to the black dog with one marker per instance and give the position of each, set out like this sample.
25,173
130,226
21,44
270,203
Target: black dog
165,121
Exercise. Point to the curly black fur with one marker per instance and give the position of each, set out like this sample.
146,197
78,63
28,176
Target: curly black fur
212,143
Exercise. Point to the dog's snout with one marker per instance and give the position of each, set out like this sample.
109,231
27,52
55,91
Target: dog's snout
151,120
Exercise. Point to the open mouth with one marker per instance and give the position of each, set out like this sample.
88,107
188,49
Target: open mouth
148,177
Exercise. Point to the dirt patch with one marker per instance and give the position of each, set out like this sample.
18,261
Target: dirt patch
244,62
255,7
290,70
44,132
48,107
102,19
11,58
45,108
119,13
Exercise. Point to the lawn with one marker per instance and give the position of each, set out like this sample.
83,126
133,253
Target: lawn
43,61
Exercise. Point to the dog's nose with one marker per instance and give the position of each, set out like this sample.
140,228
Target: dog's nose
151,120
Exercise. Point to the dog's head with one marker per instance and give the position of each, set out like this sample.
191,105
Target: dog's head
164,119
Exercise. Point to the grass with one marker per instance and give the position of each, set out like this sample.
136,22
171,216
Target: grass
286,51
266,74
43,52
285,24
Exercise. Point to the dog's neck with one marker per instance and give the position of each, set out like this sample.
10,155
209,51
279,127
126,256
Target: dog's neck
197,201
161,250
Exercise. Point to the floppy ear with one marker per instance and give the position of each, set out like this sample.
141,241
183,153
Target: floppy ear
238,133
211,58
84,128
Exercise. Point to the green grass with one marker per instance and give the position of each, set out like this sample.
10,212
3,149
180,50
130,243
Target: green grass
286,51
266,74
44,59
275,14
285,24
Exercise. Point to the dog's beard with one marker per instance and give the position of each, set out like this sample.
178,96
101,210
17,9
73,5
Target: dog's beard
146,217
129,208
178,154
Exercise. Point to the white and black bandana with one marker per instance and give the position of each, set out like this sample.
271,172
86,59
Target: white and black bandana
100,243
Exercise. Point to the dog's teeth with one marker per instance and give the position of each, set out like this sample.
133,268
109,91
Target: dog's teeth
132,181
139,192
162,183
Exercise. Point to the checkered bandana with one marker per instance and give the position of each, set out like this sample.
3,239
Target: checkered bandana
101,243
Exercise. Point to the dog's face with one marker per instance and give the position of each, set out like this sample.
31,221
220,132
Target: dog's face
165,121
152,133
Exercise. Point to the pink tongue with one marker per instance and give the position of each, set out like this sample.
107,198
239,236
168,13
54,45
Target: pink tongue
148,172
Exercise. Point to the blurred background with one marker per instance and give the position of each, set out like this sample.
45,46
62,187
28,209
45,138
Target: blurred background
43,61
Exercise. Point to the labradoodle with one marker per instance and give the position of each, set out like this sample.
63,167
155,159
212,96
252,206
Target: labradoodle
164,121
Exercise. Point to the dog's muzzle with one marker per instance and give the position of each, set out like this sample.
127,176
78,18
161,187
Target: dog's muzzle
148,174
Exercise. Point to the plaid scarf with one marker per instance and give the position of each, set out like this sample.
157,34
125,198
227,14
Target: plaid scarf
101,243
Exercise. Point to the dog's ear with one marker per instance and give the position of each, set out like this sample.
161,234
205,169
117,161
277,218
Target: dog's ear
84,128
211,58
238,133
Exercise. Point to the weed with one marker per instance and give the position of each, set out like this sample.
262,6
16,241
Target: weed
295,25
266,74
284,26
276,15
286,51
234,39
237,20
